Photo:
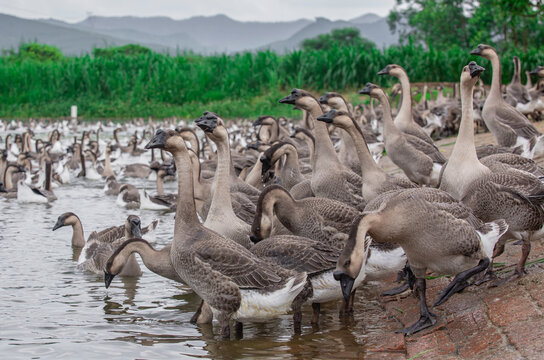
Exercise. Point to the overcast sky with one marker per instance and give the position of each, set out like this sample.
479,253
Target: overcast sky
244,10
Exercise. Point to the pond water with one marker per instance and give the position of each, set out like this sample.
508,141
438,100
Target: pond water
50,309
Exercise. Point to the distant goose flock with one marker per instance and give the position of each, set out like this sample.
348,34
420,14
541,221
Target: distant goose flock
275,214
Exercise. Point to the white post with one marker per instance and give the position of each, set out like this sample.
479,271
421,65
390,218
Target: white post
73,112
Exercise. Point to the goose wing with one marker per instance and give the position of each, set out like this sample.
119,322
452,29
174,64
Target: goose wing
241,266
425,147
509,116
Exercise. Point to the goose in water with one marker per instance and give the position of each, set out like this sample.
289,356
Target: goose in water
12,171
432,238
235,283
513,195
27,193
330,179
129,197
221,217
510,127
413,160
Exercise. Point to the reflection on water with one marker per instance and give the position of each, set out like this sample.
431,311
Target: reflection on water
51,309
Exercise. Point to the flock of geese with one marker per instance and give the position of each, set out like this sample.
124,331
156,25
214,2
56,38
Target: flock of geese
273,215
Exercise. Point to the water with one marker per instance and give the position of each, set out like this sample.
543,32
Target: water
52,310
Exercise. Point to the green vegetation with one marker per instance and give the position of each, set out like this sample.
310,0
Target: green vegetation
339,38
133,81
504,24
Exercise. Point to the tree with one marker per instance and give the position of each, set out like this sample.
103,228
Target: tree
338,37
38,52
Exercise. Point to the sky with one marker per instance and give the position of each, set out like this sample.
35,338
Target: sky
243,10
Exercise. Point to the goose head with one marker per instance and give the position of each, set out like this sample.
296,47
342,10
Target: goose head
337,117
300,98
273,153
264,120
169,140
3,188
351,259
68,218
393,70
373,90
213,126
133,227
485,51
471,74
333,99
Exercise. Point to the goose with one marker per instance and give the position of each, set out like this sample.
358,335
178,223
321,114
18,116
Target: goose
375,180
515,89
507,125
416,164
12,171
129,197
108,171
330,178
31,194
289,172
110,234
92,173
221,217
432,238
235,283
511,194
404,121
161,201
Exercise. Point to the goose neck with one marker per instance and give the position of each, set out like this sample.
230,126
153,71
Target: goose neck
186,210
368,165
495,91
405,113
78,238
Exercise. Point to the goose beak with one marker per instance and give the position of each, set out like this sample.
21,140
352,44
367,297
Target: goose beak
289,99
58,224
3,189
135,227
366,90
328,117
534,72
254,146
384,71
254,239
107,279
258,122
477,51
475,69
157,141
324,99
346,283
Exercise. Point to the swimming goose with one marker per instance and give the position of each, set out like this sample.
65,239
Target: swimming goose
432,238
11,172
129,197
375,180
404,121
28,193
418,167
221,217
235,283
508,125
330,179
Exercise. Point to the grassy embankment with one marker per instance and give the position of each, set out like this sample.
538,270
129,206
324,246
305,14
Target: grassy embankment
235,86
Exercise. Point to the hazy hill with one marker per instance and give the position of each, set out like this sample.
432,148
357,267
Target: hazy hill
69,40
377,31
201,34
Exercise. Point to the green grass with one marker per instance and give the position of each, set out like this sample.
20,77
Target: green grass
235,86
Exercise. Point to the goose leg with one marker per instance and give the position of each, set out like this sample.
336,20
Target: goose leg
351,301
426,317
239,329
224,320
316,307
194,319
460,281
406,277
489,274
520,267
297,320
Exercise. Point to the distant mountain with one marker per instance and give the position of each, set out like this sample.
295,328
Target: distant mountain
69,40
201,34
377,31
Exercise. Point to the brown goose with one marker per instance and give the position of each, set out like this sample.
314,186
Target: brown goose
289,172
235,283
404,121
432,238
221,217
375,180
129,197
515,89
330,179
419,167
11,171
508,125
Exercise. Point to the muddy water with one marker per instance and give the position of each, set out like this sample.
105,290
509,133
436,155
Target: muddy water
49,309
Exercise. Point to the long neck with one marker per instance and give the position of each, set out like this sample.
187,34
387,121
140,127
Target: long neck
186,210
48,176
389,127
160,185
324,149
405,113
156,261
221,195
529,83
464,149
368,165
495,91
291,163
516,77
8,173
78,239
285,208
107,164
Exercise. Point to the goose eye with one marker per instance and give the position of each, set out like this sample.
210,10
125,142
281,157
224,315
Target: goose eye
347,263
